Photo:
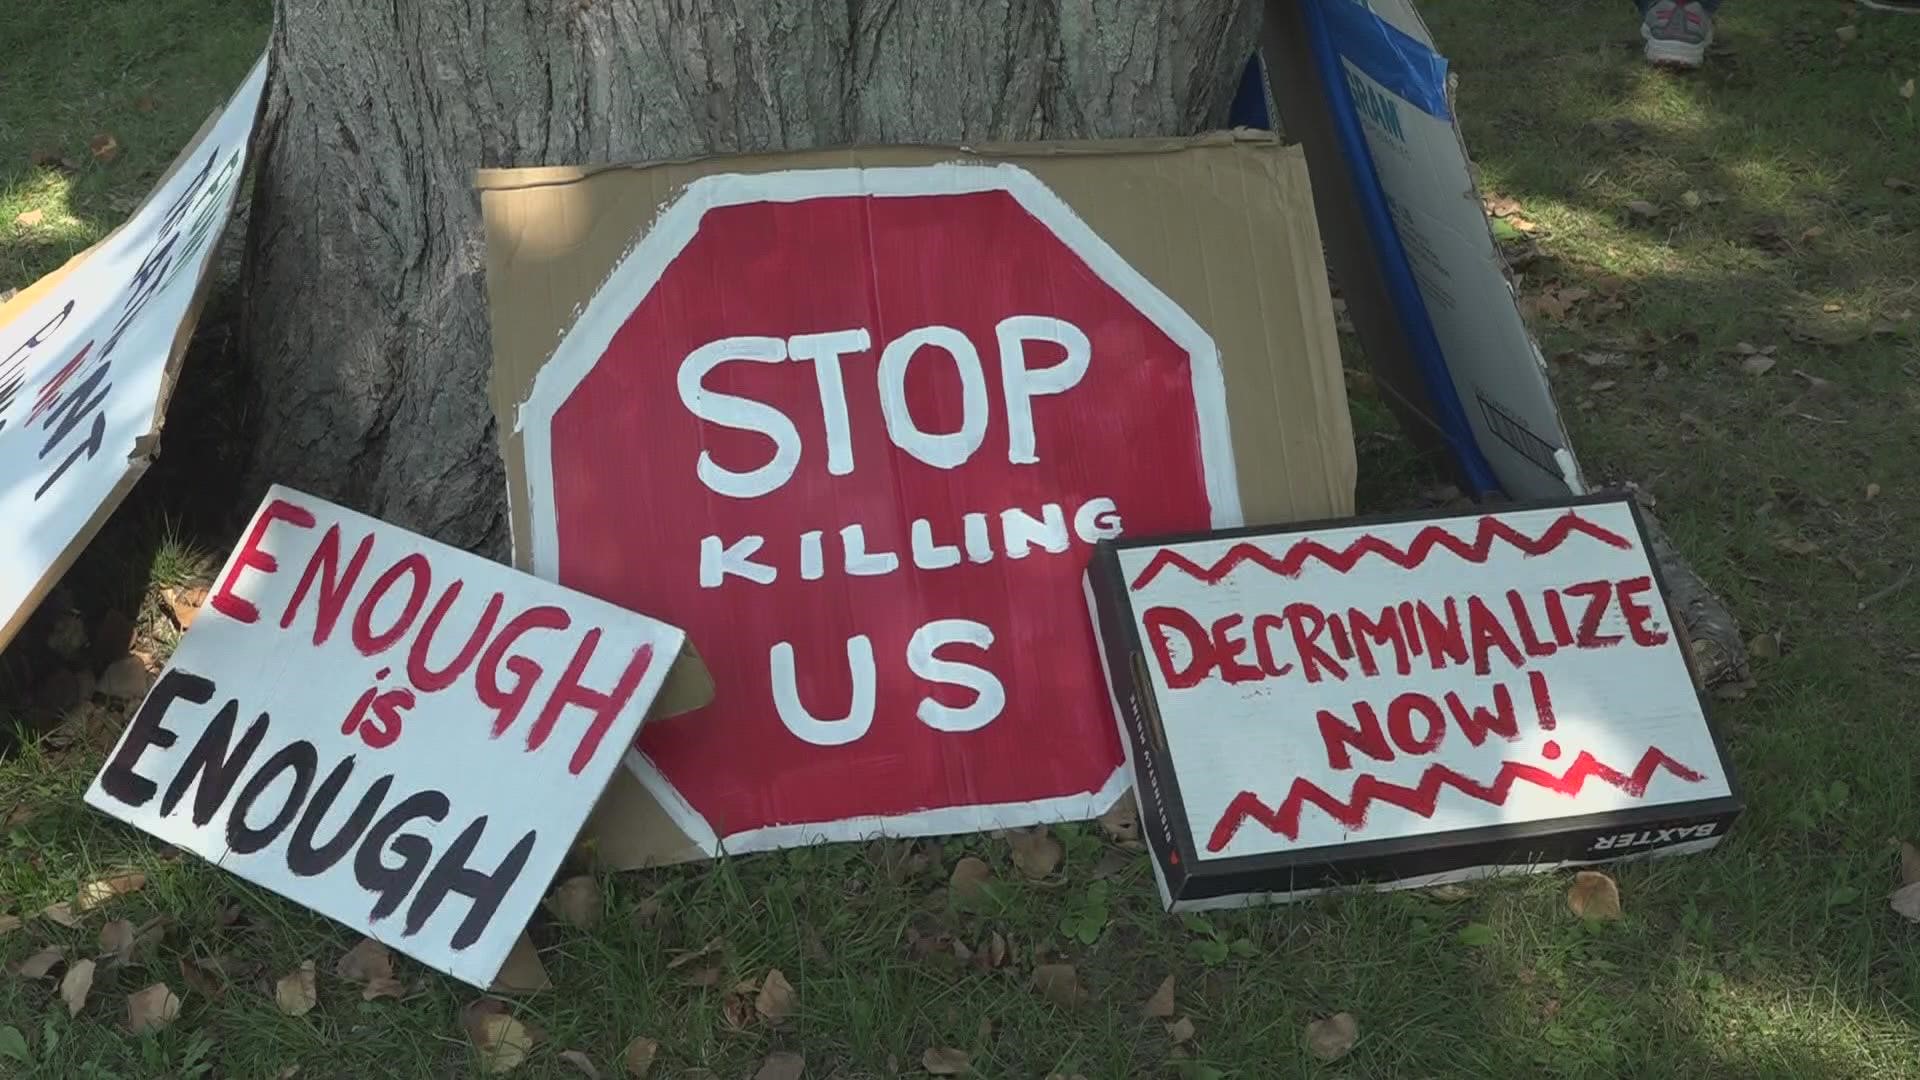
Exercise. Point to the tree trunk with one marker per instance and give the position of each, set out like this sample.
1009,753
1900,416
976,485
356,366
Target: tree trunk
367,317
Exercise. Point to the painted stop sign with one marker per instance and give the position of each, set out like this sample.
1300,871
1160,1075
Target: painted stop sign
857,430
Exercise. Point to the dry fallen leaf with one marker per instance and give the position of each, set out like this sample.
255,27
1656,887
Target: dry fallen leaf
104,147
1764,647
1593,895
95,893
577,902
581,1062
1909,864
1873,490
1121,822
703,976
1906,89
206,980
1846,33
8,924
151,1009
61,913
638,1056
296,993
37,965
782,1065
1035,852
1330,1039
1758,365
775,999
1180,1030
968,875
383,988
991,954
1060,984
502,1041
1160,1005
365,962
27,219
946,1061
75,986
116,941
1643,210
183,604
1906,902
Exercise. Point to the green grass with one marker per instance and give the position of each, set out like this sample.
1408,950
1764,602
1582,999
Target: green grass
144,72
1775,956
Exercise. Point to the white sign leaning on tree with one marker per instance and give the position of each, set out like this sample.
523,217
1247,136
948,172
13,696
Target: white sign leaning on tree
87,359
396,733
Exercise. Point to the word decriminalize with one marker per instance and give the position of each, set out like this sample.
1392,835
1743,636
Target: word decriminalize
1454,633
375,829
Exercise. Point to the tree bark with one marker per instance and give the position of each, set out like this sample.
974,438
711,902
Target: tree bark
367,321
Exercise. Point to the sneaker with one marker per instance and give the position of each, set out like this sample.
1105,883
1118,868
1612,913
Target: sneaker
1677,32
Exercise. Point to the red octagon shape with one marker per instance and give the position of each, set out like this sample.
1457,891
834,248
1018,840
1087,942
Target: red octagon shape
851,430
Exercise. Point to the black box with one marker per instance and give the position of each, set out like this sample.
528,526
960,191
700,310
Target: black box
1586,652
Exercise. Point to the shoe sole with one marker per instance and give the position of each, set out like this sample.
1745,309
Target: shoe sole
1668,53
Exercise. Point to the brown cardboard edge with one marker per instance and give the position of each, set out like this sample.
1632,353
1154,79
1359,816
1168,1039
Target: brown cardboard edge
522,972
1301,103
689,686
510,179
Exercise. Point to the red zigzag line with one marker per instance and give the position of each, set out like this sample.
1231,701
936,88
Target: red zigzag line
1369,789
1290,564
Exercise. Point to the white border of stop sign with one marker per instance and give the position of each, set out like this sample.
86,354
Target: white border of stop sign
592,334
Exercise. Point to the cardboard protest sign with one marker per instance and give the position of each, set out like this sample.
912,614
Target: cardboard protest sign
400,735
856,419
87,360
1489,376
1404,701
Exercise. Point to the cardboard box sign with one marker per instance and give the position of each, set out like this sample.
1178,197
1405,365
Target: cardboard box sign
1404,702
1362,89
856,418
88,356
398,734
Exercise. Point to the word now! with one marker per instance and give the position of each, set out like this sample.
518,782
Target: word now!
504,680
1019,385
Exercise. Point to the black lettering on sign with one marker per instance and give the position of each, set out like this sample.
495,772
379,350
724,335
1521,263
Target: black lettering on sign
118,779
305,859
211,763
296,757
393,883
452,875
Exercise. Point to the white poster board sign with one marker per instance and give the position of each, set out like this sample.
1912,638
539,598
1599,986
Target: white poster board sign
1405,108
1484,679
396,733
86,364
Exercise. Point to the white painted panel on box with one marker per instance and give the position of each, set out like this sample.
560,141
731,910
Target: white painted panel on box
1374,682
